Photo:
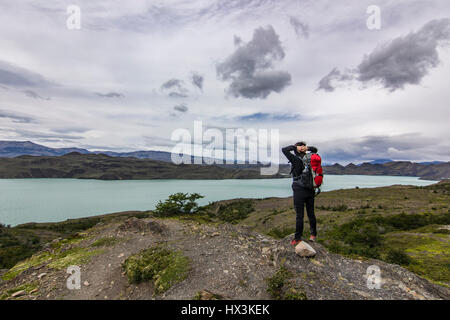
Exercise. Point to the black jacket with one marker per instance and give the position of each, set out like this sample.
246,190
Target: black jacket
296,162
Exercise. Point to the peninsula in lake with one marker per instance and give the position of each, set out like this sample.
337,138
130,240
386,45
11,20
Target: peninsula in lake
25,159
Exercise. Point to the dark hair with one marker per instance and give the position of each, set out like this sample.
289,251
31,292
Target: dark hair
301,143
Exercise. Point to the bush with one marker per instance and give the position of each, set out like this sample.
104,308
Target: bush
9,256
295,294
276,283
235,211
178,204
279,233
363,237
72,226
341,207
367,234
398,256
280,288
360,237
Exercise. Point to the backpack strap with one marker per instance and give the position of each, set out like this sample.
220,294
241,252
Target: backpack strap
308,160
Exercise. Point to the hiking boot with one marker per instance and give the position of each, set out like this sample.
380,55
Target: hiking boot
312,238
295,242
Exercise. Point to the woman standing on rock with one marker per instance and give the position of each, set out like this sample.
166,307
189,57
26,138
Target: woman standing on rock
302,187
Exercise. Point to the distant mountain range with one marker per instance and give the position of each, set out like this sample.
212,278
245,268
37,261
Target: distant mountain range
382,161
439,171
11,149
433,170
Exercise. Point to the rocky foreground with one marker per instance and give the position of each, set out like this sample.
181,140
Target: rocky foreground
224,262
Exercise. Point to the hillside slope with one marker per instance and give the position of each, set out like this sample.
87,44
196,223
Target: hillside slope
438,171
104,167
224,261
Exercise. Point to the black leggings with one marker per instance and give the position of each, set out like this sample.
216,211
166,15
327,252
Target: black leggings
304,196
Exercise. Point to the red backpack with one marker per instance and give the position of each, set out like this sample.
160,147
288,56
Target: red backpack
316,169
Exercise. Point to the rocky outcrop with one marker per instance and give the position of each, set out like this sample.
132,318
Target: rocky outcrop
332,276
139,225
225,262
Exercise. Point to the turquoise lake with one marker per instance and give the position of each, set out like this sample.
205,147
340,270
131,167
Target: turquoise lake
51,200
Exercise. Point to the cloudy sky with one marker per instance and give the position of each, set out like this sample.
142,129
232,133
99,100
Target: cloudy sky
137,70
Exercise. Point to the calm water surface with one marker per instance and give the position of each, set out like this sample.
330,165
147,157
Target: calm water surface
50,200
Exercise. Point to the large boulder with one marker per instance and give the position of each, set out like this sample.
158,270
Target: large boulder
305,250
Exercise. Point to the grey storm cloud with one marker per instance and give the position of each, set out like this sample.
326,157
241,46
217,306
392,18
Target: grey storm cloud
262,116
181,108
31,134
34,95
250,67
404,60
197,80
155,141
110,95
408,146
169,84
177,95
176,88
15,117
326,83
11,75
70,130
301,29
237,40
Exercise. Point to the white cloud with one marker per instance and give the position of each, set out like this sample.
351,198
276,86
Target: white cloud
128,49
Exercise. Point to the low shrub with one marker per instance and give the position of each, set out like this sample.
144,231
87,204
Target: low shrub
235,211
280,233
280,288
398,256
340,207
178,204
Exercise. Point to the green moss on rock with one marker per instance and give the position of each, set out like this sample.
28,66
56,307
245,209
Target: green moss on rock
27,287
75,256
159,264
33,261
105,242
68,241
58,260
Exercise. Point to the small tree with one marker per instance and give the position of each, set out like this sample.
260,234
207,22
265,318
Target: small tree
399,257
178,204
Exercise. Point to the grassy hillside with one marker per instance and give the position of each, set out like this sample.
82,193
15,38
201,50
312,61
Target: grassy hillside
406,225
22,241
